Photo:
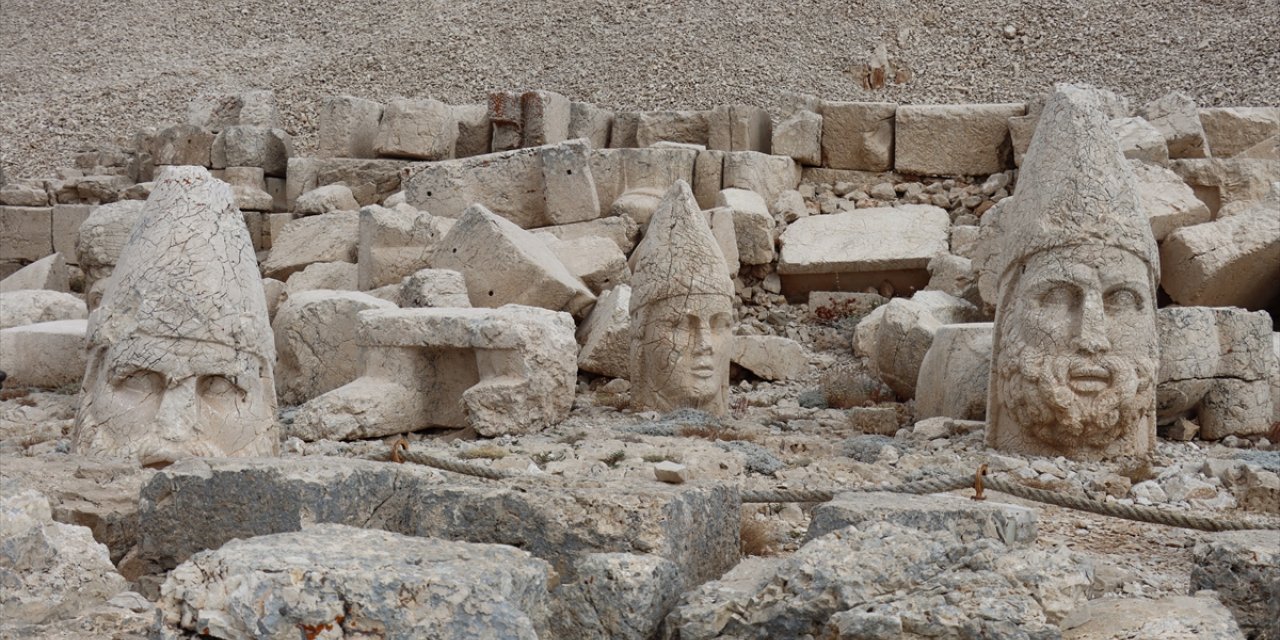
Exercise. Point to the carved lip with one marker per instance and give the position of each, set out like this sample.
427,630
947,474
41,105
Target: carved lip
703,370
1088,378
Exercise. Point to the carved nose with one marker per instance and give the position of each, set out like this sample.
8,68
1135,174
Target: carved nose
1092,335
176,418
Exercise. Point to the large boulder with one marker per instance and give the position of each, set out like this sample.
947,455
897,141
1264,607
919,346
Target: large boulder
316,341
329,237
47,354
1232,261
949,140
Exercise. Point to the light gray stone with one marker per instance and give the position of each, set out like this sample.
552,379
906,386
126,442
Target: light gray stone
593,123
1231,130
328,237
474,130
417,129
1141,141
1175,115
1231,261
47,355
1169,203
605,335
800,138
370,181
617,171
858,135
770,357
252,146
546,118
689,127
29,306
949,140
48,273
622,596
434,288
395,243
316,342
954,372
1169,618
739,128
327,199
348,127
966,519
1244,568
767,175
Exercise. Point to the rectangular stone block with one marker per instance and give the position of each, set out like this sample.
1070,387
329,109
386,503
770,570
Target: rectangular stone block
966,519
417,129
546,118
252,146
622,231
708,176
689,127
507,117
1169,203
348,127
370,181
182,144
767,175
858,135
1175,115
739,128
475,131
752,225
619,170
201,503
26,233
66,221
800,138
395,243
623,133
569,192
48,355
590,122
954,140
1230,130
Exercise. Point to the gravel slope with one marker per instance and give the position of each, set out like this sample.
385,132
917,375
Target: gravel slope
74,72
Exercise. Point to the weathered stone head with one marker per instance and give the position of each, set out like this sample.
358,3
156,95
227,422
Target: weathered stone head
180,351
1075,269
681,311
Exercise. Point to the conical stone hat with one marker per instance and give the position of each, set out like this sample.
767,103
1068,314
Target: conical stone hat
678,256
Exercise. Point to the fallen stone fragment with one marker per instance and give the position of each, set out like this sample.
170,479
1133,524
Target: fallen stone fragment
47,355
949,140
1243,567
800,138
1171,618
605,335
48,273
336,276
25,233
770,357
739,128
596,261
316,342
327,199
1231,130
546,118
475,131
752,225
395,243
256,107
618,171
29,306
672,126
858,135
590,122
1169,203
1231,261
954,372
966,519
622,596
1141,141
348,127
670,472
434,288
370,181
764,174
252,146
417,129
1175,115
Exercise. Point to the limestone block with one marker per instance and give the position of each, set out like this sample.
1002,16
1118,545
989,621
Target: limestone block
474,130
767,175
337,276
1186,617
255,107
504,371
253,146
417,129
49,273
1243,567
857,249
708,176
721,221
370,181
948,140
434,288
637,205
605,335
100,189
905,333
689,127
51,570
955,371
182,144
328,237
1231,261
693,526
277,188
739,128
858,135
1141,141
348,127
622,596
1230,130
1170,204
49,355
504,264
770,357
1220,182
29,306
800,138
621,230
507,117
1176,117
327,199
617,171
596,261
1023,128
966,519
25,233
569,192
546,118
753,226
349,578
622,135
273,290
315,333
394,243
588,121
245,176
954,275
1268,149
1233,407
99,241
24,193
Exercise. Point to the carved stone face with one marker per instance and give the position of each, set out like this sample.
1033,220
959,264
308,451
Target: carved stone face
1077,355
682,357
159,400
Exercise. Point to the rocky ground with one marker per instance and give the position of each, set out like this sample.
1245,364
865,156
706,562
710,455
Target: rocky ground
76,74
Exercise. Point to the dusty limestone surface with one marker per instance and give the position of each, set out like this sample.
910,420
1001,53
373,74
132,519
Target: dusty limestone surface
75,74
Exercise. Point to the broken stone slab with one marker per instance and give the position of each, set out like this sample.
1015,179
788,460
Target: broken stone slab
1222,182
504,264
955,276
182,144
966,519
951,140
336,577
1139,140
800,138
723,229
24,193
48,355
1231,130
434,288
48,273
1268,149
694,526
252,146
622,596
328,237
590,122
903,337
545,118
316,342
1170,204
954,372
767,175
689,127
337,276
1176,117
621,230
330,198
25,233
370,181
1169,618
1243,567
474,130
770,357
568,188
858,135
395,243
101,189
51,570
256,107
858,249
417,129
29,306
708,176
752,225
739,128
637,204
605,335
617,171
1231,261
596,261
348,127
500,371
886,580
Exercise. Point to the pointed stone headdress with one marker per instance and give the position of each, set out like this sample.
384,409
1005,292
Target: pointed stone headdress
188,273
678,256
1075,188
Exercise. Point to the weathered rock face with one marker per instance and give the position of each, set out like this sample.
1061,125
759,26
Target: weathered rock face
966,519
48,273
955,371
883,580
858,135
29,306
681,312
419,129
1244,568
46,354
329,237
181,354
315,334
970,139
395,243
353,581
1075,351
618,596
1172,618
605,336
100,240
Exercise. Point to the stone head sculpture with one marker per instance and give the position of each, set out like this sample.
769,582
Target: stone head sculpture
180,352
1075,268
681,311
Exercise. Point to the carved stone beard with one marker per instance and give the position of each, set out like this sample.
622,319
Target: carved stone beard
1034,389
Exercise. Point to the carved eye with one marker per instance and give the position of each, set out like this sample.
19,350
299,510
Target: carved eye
1124,299
142,381
1061,296
219,387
